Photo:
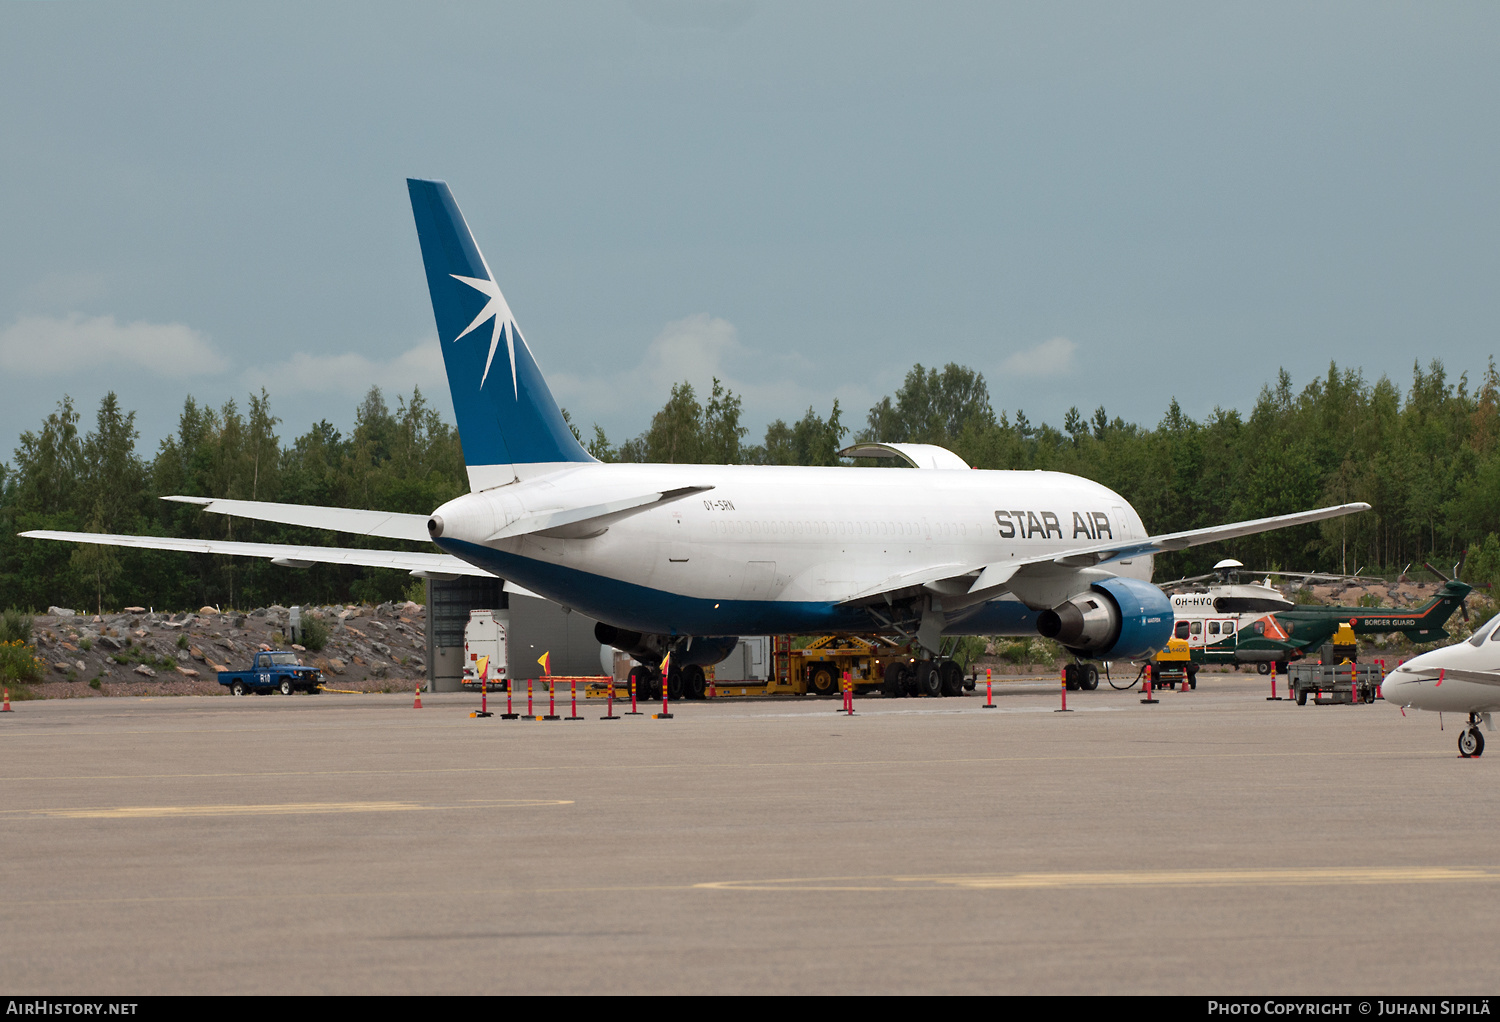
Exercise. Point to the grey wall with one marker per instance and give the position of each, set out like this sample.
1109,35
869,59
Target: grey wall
537,626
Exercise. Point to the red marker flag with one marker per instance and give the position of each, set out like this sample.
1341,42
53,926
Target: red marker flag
546,661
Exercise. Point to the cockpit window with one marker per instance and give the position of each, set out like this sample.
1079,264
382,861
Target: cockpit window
1483,630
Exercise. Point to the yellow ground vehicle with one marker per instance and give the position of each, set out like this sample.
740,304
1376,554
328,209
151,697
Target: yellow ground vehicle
1174,666
1345,645
872,661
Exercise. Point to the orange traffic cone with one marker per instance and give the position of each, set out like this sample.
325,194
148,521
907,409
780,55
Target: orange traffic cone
6,708
418,704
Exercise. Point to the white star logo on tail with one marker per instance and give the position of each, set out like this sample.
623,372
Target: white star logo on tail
497,310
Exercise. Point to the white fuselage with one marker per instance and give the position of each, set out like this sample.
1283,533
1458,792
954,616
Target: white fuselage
1424,683
784,536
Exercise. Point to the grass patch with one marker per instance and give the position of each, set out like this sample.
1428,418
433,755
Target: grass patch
19,664
15,626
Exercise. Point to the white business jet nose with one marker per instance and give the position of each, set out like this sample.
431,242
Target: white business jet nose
1391,689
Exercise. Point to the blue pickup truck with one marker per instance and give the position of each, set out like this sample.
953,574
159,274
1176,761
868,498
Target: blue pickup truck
275,671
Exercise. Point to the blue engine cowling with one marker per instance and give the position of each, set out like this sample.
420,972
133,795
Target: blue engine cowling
1117,619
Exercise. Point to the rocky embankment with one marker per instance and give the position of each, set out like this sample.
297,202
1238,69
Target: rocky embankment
136,652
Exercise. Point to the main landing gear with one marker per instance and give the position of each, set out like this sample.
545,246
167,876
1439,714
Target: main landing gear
1470,740
1084,677
682,682
924,678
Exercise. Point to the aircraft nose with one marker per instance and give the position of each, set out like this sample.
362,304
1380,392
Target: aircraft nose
1398,687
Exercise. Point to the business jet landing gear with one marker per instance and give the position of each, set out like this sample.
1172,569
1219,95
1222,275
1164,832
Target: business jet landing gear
1470,740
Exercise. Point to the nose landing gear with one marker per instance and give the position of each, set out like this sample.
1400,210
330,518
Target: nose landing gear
1470,740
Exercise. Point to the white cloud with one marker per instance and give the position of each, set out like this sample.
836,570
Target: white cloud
699,348
64,345
1050,358
694,348
352,374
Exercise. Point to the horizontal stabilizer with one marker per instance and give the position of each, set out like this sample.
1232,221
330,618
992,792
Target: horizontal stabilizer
577,522
421,565
384,524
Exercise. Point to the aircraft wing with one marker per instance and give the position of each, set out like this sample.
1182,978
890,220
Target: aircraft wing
1455,674
1107,552
385,524
560,521
1042,573
285,554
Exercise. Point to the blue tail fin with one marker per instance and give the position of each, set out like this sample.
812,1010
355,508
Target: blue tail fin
507,418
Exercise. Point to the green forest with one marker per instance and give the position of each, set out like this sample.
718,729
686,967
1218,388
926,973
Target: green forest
1427,460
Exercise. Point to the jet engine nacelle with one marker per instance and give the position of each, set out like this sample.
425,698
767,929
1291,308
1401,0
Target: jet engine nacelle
1116,619
650,649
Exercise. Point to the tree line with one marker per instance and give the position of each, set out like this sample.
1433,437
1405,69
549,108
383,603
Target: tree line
65,478
1427,460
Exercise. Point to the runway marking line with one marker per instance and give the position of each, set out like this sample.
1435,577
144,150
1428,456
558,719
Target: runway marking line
1317,876
1388,876
274,809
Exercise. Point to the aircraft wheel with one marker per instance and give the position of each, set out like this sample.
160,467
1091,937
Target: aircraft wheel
694,682
237,689
952,678
894,685
824,679
286,686
640,677
674,684
929,679
1090,677
1471,743
1262,667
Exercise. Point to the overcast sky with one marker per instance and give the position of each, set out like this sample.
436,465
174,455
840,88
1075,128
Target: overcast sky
1092,204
